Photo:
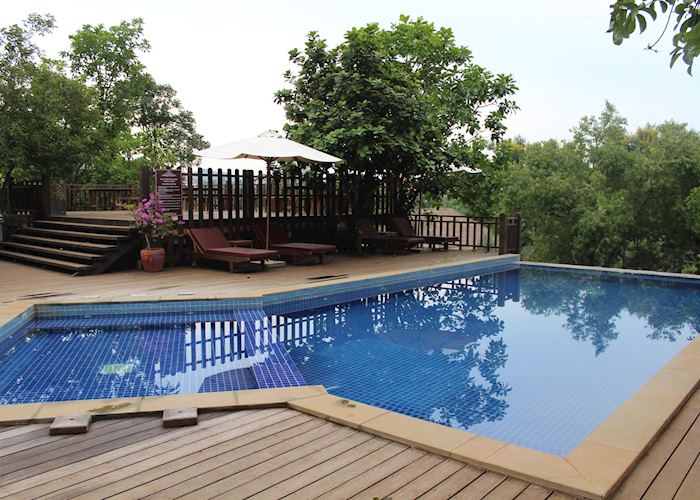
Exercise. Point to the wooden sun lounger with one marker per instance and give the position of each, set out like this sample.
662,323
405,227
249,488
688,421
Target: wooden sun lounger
370,235
211,244
279,240
403,228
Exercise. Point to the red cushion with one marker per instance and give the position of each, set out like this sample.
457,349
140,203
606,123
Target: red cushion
249,253
306,247
209,238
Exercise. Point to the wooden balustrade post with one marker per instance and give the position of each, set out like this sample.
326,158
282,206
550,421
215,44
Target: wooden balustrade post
145,182
502,234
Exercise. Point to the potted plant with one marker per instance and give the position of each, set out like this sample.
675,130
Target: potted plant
155,224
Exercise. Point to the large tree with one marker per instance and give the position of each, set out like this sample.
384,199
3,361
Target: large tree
628,15
49,121
144,120
402,103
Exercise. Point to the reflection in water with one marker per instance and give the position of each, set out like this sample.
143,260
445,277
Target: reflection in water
444,338
75,362
594,303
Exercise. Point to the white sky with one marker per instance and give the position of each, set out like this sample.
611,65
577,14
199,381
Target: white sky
226,59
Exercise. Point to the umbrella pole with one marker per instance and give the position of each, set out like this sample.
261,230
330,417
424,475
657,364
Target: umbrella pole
267,230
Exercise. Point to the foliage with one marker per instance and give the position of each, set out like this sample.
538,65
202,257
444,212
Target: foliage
48,119
94,116
609,197
478,192
153,221
401,103
144,120
628,15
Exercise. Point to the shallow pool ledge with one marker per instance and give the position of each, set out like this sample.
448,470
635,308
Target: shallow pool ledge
121,407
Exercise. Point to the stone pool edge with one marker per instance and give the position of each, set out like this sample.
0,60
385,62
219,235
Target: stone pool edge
593,469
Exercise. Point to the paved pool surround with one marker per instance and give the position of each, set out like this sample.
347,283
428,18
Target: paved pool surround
593,469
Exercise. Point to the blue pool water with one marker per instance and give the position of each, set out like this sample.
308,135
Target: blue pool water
534,356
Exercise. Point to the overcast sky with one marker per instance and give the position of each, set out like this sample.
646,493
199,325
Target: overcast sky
226,59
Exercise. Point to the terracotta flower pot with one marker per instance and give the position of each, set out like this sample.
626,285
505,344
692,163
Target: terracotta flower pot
153,260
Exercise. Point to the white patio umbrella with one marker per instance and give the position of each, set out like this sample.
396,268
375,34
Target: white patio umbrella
269,146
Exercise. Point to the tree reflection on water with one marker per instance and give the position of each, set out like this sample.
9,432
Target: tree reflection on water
593,303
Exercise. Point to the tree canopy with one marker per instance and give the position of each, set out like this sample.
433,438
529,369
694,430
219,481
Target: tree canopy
402,103
610,197
628,15
95,114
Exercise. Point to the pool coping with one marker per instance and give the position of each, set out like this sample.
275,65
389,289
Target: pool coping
593,469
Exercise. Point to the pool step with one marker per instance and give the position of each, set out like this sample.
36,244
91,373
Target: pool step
73,244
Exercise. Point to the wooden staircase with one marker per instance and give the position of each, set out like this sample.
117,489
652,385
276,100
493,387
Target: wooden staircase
72,244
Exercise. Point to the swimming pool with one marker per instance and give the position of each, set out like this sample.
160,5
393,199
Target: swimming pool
530,355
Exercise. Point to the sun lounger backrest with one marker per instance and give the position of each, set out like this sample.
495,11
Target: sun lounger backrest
278,234
403,226
208,238
367,228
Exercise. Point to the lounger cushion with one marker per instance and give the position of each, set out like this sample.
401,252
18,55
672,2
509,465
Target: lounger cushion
248,253
209,238
310,248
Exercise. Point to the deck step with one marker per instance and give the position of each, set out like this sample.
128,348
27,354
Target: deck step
46,261
127,222
83,226
58,252
57,243
77,234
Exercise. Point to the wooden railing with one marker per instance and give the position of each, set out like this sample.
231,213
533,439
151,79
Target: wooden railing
472,232
99,196
23,198
489,233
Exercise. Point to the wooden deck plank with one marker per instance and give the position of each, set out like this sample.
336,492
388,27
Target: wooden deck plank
24,438
17,430
428,480
690,488
656,457
374,475
320,471
481,486
165,458
173,473
349,472
669,479
507,490
534,492
41,438
292,469
399,478
453,484
221,481
108,461
216,468
52,451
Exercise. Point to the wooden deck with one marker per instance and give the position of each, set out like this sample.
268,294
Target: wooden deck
274,453
19,281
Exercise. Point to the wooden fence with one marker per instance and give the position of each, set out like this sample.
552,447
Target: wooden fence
99,196
472,232
236,200
23,197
